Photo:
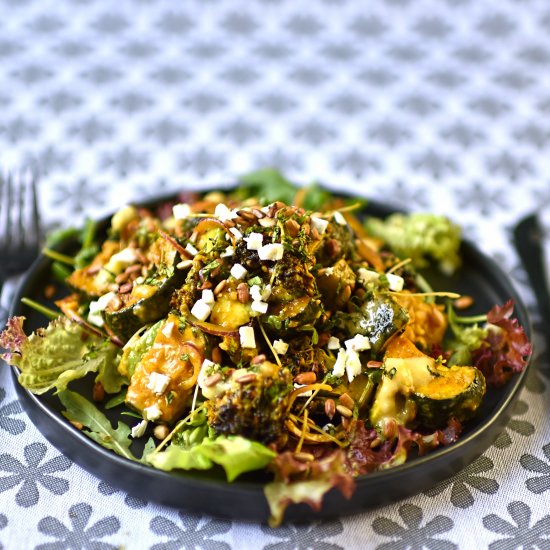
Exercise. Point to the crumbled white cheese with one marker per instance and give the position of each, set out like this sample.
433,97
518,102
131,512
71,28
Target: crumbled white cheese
339,218
366,275
271,251
280,346
353,364
201,310
229,251
94,317
208,296
246,335
224,213
340,365
236,233
254,241
333,343
181,211
256,292
319,224
139,429
358,343
158,382
152,413
259,306
191,249
395,282
238,271
167,329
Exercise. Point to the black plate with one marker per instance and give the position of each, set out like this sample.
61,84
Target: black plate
243,499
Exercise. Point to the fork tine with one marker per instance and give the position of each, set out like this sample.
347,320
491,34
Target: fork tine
30,218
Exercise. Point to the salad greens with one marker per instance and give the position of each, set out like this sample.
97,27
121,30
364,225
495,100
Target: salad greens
266,329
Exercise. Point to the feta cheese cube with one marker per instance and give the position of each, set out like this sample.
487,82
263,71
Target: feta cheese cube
152,413
236,233
340,365
271,252
256,292
229,251
366,275
280,346
238,271
181,211
319,223
395,282
333,343
353,364
208,296
94,317
191,249
201,310
224,213
254,241
358,343
158,382
167,329
247,338
139,429
259,306
339,218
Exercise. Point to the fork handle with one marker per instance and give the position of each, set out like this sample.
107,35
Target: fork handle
528,240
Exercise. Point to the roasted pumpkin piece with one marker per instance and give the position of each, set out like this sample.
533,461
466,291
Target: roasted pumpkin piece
451,392
85,280
166,374
336,284
415,387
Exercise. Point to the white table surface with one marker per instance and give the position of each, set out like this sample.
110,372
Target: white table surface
441,106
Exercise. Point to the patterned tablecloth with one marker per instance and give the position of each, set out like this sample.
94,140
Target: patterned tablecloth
430,105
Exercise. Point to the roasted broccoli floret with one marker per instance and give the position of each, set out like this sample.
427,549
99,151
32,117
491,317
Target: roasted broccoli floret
253,403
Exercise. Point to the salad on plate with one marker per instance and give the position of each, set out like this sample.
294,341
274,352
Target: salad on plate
267,328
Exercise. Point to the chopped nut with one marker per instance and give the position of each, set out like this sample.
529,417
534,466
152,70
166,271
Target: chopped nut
212,380
125,288
258,359
93,269
243,294
77,425
333,248
49,291
217,355
161,431
346,294
306,378
330,408
344,411
315,234
220,286
346,400
98,393
247,216
292,227
463,302
246,378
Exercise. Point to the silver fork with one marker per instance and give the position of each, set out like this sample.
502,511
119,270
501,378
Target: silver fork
20,228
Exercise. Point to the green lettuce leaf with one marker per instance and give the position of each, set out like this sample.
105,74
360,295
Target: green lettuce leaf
98,427
421,237
62,352
137,346
235,454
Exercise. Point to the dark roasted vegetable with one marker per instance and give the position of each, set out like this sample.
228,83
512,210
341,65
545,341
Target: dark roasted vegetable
452,392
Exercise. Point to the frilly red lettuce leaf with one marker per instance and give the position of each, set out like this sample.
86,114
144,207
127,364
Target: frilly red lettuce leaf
305,482
506,348
53,356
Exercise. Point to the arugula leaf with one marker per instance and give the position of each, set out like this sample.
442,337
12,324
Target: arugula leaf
315,197
62,352
235,454
99,428
150,446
